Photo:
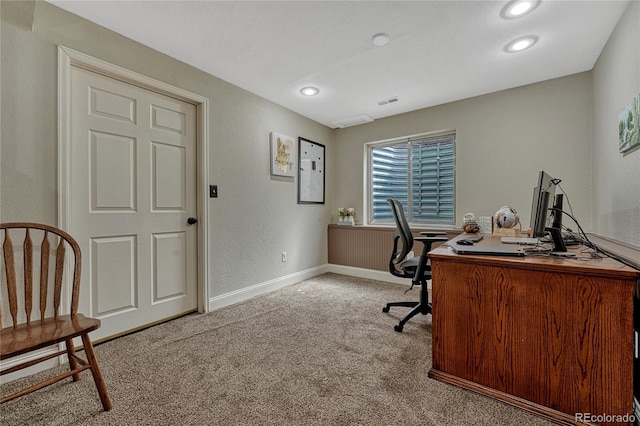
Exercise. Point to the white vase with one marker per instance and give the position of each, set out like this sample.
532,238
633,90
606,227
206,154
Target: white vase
346,220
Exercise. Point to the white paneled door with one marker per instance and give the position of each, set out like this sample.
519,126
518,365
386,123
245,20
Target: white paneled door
133,192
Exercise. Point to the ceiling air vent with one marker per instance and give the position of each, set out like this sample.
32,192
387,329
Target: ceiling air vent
388,101
347,122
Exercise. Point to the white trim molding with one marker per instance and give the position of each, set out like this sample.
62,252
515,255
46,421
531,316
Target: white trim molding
36,368
250,292
367,274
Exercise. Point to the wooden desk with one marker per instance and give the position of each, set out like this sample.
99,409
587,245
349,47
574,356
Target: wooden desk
551,336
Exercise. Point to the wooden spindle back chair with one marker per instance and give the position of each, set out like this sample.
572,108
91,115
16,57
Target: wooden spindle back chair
29,331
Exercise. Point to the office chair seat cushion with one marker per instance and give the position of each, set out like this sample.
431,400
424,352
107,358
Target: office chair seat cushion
409,266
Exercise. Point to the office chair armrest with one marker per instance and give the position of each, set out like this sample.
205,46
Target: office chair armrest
423,262
430,240
432,233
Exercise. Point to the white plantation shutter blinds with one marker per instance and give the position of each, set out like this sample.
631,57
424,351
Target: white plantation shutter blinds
419,173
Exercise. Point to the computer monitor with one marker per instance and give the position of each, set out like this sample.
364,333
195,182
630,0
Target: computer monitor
543,198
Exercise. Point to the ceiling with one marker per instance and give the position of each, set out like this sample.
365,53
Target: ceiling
438,51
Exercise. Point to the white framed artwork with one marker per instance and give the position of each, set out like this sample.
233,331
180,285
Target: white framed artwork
283,155
629,126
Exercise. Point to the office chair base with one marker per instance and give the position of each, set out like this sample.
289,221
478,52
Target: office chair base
418,308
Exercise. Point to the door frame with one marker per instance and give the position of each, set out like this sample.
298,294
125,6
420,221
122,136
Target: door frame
68,58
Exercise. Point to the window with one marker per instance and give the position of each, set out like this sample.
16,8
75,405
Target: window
417,171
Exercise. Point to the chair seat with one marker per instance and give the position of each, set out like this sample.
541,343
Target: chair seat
23,338
409,267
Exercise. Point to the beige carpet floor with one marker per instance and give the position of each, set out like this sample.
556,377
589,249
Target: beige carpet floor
320,352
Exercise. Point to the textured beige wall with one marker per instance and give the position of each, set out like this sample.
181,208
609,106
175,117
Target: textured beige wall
254,218
503,140
616,177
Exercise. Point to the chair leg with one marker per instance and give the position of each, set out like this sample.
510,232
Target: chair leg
97,375
73,364
422,307
404,304
412,313
418,309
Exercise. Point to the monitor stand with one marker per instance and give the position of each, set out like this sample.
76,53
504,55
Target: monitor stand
558,242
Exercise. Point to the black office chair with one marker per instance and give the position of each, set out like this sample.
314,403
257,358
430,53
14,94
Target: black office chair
417,268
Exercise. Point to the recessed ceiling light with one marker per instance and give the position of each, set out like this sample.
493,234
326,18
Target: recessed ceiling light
520,44
380,39
517,8
309,91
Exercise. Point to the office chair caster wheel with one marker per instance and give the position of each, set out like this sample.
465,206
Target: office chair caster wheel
398,328
385,309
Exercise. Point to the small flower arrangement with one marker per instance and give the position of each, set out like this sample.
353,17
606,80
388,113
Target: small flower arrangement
347,215
346,212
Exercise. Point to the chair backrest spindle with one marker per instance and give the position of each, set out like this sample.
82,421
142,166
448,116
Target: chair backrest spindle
9,263
28,275
57,287
77,269
44,274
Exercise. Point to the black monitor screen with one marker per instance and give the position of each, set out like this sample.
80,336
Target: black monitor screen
543,196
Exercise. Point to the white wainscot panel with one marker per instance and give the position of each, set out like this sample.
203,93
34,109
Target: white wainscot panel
112,105
170,266
113,172
169,177
113,275
166,119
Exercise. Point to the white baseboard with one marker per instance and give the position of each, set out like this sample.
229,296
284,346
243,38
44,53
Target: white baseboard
371,275
45,365
367,273
247,293
250,292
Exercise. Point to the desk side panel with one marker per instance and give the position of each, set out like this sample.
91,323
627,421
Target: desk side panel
559,339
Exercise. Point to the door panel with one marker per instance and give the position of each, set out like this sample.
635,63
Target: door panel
169,266
113,172
133,179
166,119
113,275
169,173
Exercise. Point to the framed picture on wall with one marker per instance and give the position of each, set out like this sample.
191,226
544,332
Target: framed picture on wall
311,172
283,158
629,126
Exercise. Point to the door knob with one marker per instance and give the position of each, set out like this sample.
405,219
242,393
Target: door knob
192,221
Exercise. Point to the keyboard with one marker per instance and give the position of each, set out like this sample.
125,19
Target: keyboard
520,240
